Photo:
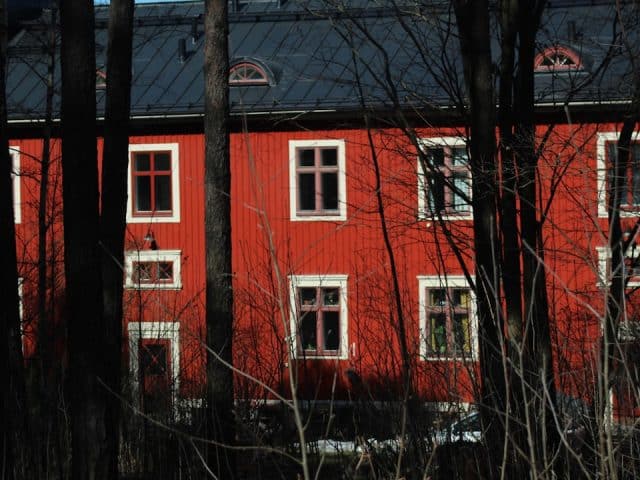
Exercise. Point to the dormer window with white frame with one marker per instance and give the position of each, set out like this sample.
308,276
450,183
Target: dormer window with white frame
154,183
606,154
444,179
317,180
14,155
153,270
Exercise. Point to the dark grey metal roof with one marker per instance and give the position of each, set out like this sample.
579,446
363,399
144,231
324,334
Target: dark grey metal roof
318,58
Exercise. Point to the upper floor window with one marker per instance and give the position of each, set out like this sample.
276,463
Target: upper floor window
557,58
14,155
247,73
154,194
153,269
319,315
447,318
444,179
317,180
630,183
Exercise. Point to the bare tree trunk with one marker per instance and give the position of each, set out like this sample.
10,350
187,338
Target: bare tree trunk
114,204
219,297
473,27
85,334
12,408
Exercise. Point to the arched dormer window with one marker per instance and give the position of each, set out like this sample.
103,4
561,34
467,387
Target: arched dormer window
557,58
247,73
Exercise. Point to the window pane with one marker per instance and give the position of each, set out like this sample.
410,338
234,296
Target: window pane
142,162
329,157
163,192
308,331
153,359
436,156
462,333
438,332
460,190
165,270
306,157
330,191
142,272
307,296
307,191
461,298
437,297
331,330
330,296
142,193
163,161
436,192
459,156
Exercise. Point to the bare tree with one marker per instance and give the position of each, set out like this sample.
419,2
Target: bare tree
219,297
114,204
85,335
12,435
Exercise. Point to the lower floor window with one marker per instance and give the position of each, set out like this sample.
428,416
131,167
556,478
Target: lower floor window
319,315
446,317
153,269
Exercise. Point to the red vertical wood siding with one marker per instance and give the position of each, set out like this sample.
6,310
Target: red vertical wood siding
264,237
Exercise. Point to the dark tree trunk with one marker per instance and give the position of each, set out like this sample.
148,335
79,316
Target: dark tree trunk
114,204
219,297
538,373
85,335
473,27
12,409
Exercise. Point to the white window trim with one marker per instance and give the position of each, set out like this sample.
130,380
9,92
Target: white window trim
601,172
174,256
423,208
445,281
155,331
14,153
175,184
604,276
293,184
314,281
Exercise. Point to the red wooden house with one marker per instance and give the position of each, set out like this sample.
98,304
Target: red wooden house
329,212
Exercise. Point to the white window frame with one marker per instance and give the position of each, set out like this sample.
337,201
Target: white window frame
445,281
175,184
14,154
155,331
174,256
318,281
424,212
601,172
604,275
294,145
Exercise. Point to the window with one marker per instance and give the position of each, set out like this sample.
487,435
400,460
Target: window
247,73
14,154
153,269
631,266
319,316
445,187
154,364
607,152
317,180
557,58
154,194
447,318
